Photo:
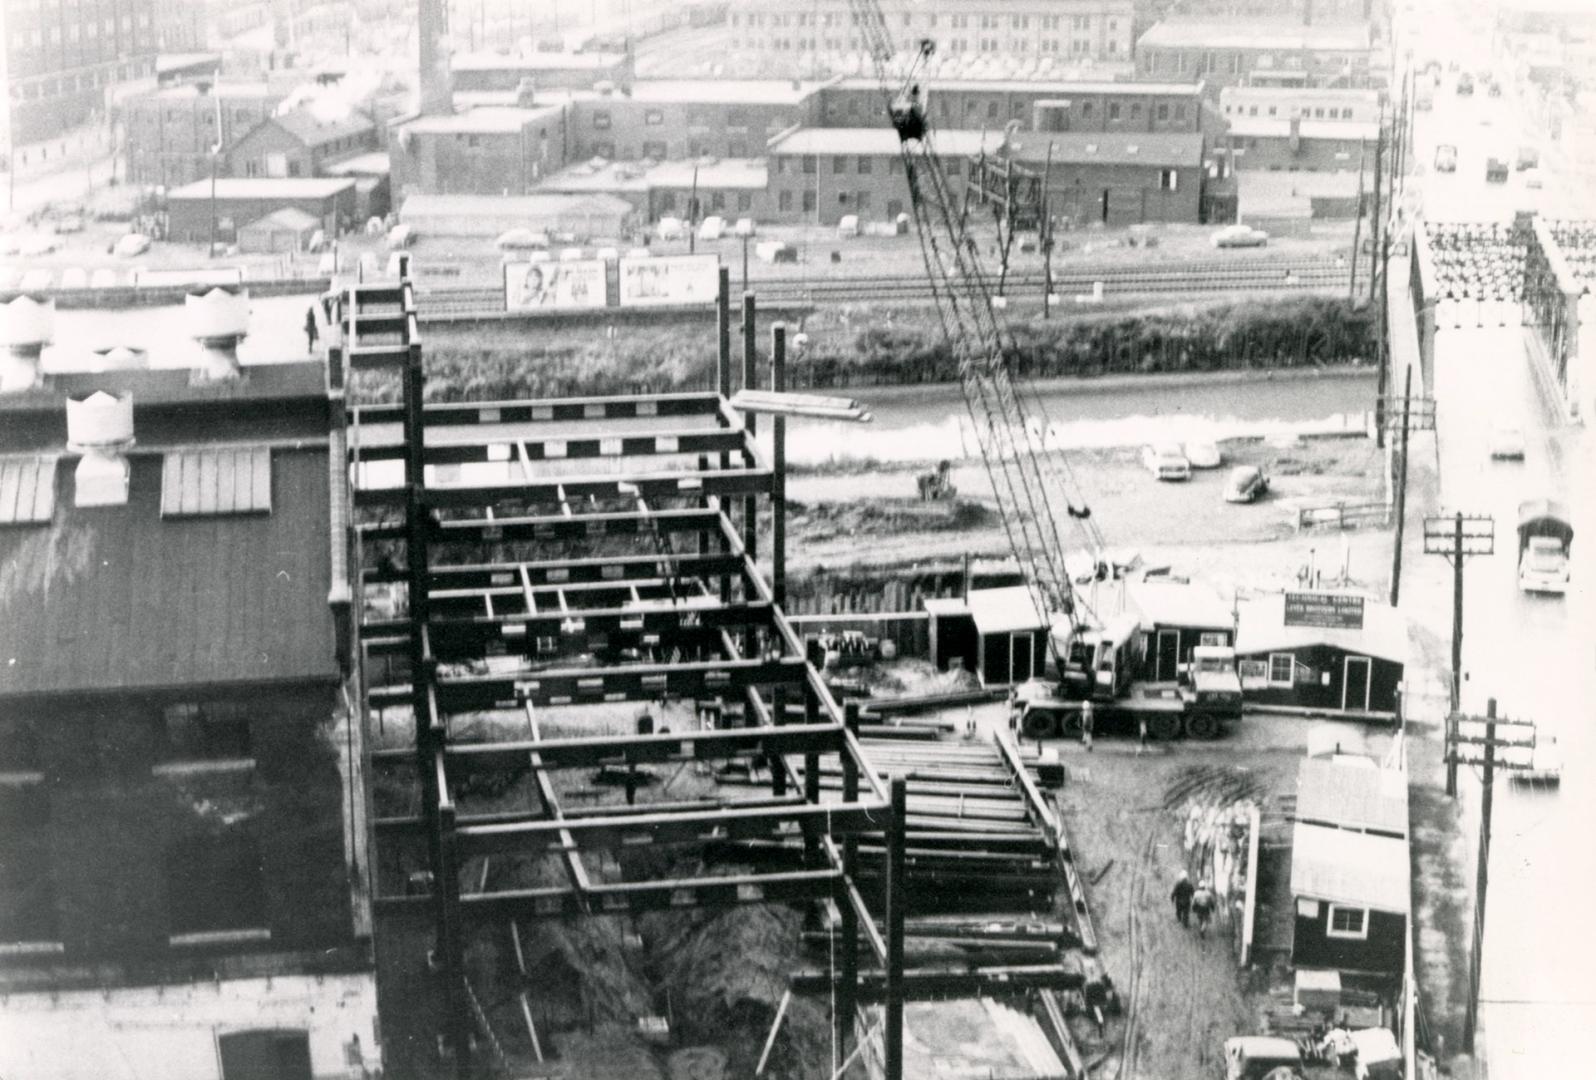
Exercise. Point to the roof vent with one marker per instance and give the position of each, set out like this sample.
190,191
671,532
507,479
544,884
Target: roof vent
120,358
218,320
26,327
100,427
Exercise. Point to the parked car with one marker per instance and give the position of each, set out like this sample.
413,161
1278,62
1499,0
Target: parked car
670,228
1446,158
1203,454
1256,1057
1240,236
1166,462
712,228
1246,483
132,245
1507,443
72,223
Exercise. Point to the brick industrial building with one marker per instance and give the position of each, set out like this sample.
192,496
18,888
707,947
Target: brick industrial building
171,132
181,818
493,150
1228,52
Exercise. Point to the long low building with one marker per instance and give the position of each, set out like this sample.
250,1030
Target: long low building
588,216
1299,145
732,189
1117,179
234,202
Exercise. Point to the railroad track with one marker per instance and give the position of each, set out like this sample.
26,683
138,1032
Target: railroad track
1183,279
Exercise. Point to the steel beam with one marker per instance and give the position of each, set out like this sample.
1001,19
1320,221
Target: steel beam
560,526
553,448
651,486
667,746
616,569
548,410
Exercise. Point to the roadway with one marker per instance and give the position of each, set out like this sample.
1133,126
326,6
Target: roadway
1535,655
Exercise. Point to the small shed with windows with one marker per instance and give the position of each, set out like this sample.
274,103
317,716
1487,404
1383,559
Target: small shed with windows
1176,617
996,633
1354,668
1351,895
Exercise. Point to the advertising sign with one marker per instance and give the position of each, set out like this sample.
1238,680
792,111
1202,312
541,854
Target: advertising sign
1328,610
554,286
670,279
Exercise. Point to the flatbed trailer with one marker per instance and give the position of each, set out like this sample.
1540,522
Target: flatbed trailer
1171,710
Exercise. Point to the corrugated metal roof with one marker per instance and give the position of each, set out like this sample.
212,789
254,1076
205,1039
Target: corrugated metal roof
1153,149
115,598
1169,603
1353,868
234,187
1261,628
879,142
27,490
1007,610
202,483
1363,798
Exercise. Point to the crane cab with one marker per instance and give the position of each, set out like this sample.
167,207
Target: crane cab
1102,662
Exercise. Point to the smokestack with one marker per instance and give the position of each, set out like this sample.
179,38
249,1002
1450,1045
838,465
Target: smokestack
100,427
433,32
218,320
26,327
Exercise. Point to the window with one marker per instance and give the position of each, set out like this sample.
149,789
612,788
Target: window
894,208
1113,110
1136,110
784,201
1346,114
1347,922
657,151
1163,112
717,200
1211,637
809,201
1086,109
667,202
1281,666
213,731
653,117
839,165
1272,110
1180,112
842,198
1318,114
1167,179
991,110
213,886
601,120
864,166
809,164
861,201
894,165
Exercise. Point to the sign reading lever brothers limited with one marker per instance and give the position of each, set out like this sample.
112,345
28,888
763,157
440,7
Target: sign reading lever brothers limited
1332,611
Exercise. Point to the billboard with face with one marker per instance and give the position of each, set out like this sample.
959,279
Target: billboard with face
554,286
669,280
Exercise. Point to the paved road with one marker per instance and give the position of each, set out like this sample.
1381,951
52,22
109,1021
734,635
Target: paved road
1536,656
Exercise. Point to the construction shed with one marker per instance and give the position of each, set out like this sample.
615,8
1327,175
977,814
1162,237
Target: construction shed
1354,668
1176,617
1351,895
997,633
285,230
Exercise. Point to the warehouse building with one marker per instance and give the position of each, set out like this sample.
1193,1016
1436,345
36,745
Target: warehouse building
1298,145
1308,102
172,132
545,70
668,119
1037,104
232,203
1230,52
725,188
583,216
301,142
1115,179
492,150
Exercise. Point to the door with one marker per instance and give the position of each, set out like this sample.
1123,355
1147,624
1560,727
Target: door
1168,656
1105,207
1021,656
269,1054
1355,683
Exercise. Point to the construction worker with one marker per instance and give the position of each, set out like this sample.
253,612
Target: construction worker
310,329
1202,906
1087,724
1181,895
1141,733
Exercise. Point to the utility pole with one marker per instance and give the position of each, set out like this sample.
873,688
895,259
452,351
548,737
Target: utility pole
1416,413
1357,229
692,220
1461,744
1377,286
1046,237
1456,538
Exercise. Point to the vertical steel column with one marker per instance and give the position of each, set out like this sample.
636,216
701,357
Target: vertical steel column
812,775
1402,487
452,960
750,424
723,379
848,986
1377,286
897,896
778,495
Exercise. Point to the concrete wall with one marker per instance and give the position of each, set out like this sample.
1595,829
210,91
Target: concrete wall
172,1031
1310,103
1120,113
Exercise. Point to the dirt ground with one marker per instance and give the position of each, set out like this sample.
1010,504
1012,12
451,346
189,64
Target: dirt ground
846,517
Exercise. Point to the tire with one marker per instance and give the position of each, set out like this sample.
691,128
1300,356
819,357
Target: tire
1164,726
1039,724
1203,725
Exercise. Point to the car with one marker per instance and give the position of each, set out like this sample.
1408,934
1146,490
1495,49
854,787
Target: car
1240,236
1203,454
1446,158
1506,443
72,223
1532,178
1246,484
132,245
712,228
1166,461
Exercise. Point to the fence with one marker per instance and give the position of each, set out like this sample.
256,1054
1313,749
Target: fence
1344,515
909,631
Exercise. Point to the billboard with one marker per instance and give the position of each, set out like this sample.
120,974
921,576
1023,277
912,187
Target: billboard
1331,611
554,286
670,279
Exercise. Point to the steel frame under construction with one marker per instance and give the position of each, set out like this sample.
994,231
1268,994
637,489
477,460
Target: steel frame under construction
531,555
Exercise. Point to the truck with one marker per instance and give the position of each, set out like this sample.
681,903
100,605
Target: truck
1446,158
1545,539
1495,171
1100,667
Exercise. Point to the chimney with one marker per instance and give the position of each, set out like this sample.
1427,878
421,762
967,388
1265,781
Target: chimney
100,427
26,327
218,320
436,98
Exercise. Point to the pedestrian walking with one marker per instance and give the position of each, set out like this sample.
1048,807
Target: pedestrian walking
969,723
1087,724
1181,895
1141,734
1202,906
310,329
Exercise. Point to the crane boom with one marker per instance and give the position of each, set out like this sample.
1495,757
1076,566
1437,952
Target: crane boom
1026,480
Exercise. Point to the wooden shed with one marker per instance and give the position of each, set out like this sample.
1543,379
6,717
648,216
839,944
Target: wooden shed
1176,617
1354,668
1351,895
997,633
